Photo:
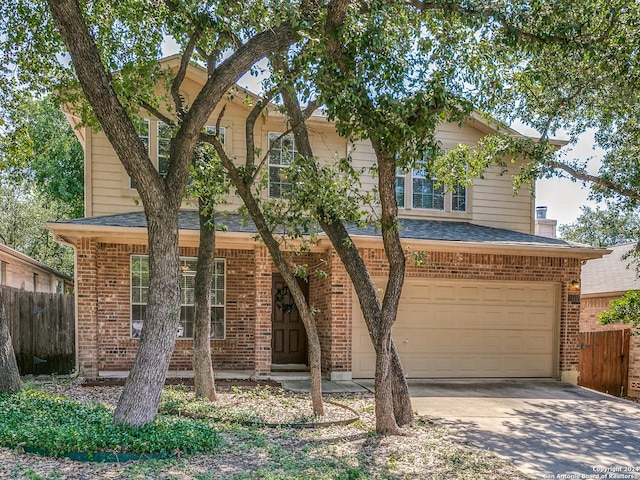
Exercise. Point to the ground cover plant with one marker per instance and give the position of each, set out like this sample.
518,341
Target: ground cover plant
427,450
37,419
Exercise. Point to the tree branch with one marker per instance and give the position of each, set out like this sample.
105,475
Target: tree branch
156,113
250,126
630,193
182,71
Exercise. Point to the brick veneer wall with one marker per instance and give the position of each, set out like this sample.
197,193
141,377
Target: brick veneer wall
104,303
104,335
590,308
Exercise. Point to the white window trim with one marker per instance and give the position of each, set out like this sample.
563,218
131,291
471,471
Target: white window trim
448,199
436,184
147,122
269,164
156,160
223,306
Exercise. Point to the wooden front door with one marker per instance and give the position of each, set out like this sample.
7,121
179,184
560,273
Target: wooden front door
288,337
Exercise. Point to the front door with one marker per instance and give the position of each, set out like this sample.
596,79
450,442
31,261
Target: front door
288,337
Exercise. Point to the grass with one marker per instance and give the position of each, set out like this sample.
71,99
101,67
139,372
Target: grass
36,419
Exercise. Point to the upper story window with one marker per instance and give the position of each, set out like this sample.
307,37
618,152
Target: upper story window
282,151
427,193
3,273
188,265
160,138
400,187
459,198
163,138
418,191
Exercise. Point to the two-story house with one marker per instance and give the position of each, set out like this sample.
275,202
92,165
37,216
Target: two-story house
490,300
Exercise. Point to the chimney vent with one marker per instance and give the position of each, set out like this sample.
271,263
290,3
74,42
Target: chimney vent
541,212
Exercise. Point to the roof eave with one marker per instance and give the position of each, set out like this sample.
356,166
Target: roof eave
246,240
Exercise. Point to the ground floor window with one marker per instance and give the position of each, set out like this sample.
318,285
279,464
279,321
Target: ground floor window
188,265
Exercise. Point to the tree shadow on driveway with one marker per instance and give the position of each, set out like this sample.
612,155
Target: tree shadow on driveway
547,428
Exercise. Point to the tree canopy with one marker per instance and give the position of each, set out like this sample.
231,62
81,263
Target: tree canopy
603,227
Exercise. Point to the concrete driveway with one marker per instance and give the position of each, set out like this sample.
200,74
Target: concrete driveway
548,429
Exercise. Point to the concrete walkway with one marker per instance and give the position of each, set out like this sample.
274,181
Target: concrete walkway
338,386
548,429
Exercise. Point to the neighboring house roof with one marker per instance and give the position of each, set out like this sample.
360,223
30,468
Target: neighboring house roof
411,229
36,263
610,274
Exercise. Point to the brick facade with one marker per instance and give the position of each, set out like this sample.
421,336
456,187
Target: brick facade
105,343
590,308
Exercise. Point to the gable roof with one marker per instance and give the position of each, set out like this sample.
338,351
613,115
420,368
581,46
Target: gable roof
442,235
610,274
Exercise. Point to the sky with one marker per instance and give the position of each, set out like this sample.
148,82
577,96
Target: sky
561,196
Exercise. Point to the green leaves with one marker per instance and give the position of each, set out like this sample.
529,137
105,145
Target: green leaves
623,310
603,227
56,424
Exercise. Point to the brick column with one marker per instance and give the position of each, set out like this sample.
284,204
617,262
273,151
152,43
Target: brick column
263,281
570,322
87,298
341,304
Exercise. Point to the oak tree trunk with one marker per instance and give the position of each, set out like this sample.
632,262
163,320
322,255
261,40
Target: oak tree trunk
379,318
9,374
308,320
202,364
140,397
384,395
402,408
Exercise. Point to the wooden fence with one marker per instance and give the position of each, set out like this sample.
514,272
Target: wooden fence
604,361
42,327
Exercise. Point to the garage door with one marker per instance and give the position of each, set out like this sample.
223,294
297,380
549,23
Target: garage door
457,328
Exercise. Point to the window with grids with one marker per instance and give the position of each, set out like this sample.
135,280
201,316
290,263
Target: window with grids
427,192
459,198
188,265
143,135
400,186
163,139
282,151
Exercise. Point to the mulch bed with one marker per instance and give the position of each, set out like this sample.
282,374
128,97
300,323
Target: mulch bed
119,382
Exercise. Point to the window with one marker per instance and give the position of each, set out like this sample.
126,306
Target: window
140,295
416,189
59,286
3,273
143,135
35,282
459,198
211,130
427,193
282,151
400,187
163,140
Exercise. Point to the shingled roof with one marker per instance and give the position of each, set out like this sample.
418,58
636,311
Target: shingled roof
611,273
410,229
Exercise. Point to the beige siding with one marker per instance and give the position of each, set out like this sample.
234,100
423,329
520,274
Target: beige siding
495,205
490,201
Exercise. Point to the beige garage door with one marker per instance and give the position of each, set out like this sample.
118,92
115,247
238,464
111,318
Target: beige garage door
457,328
